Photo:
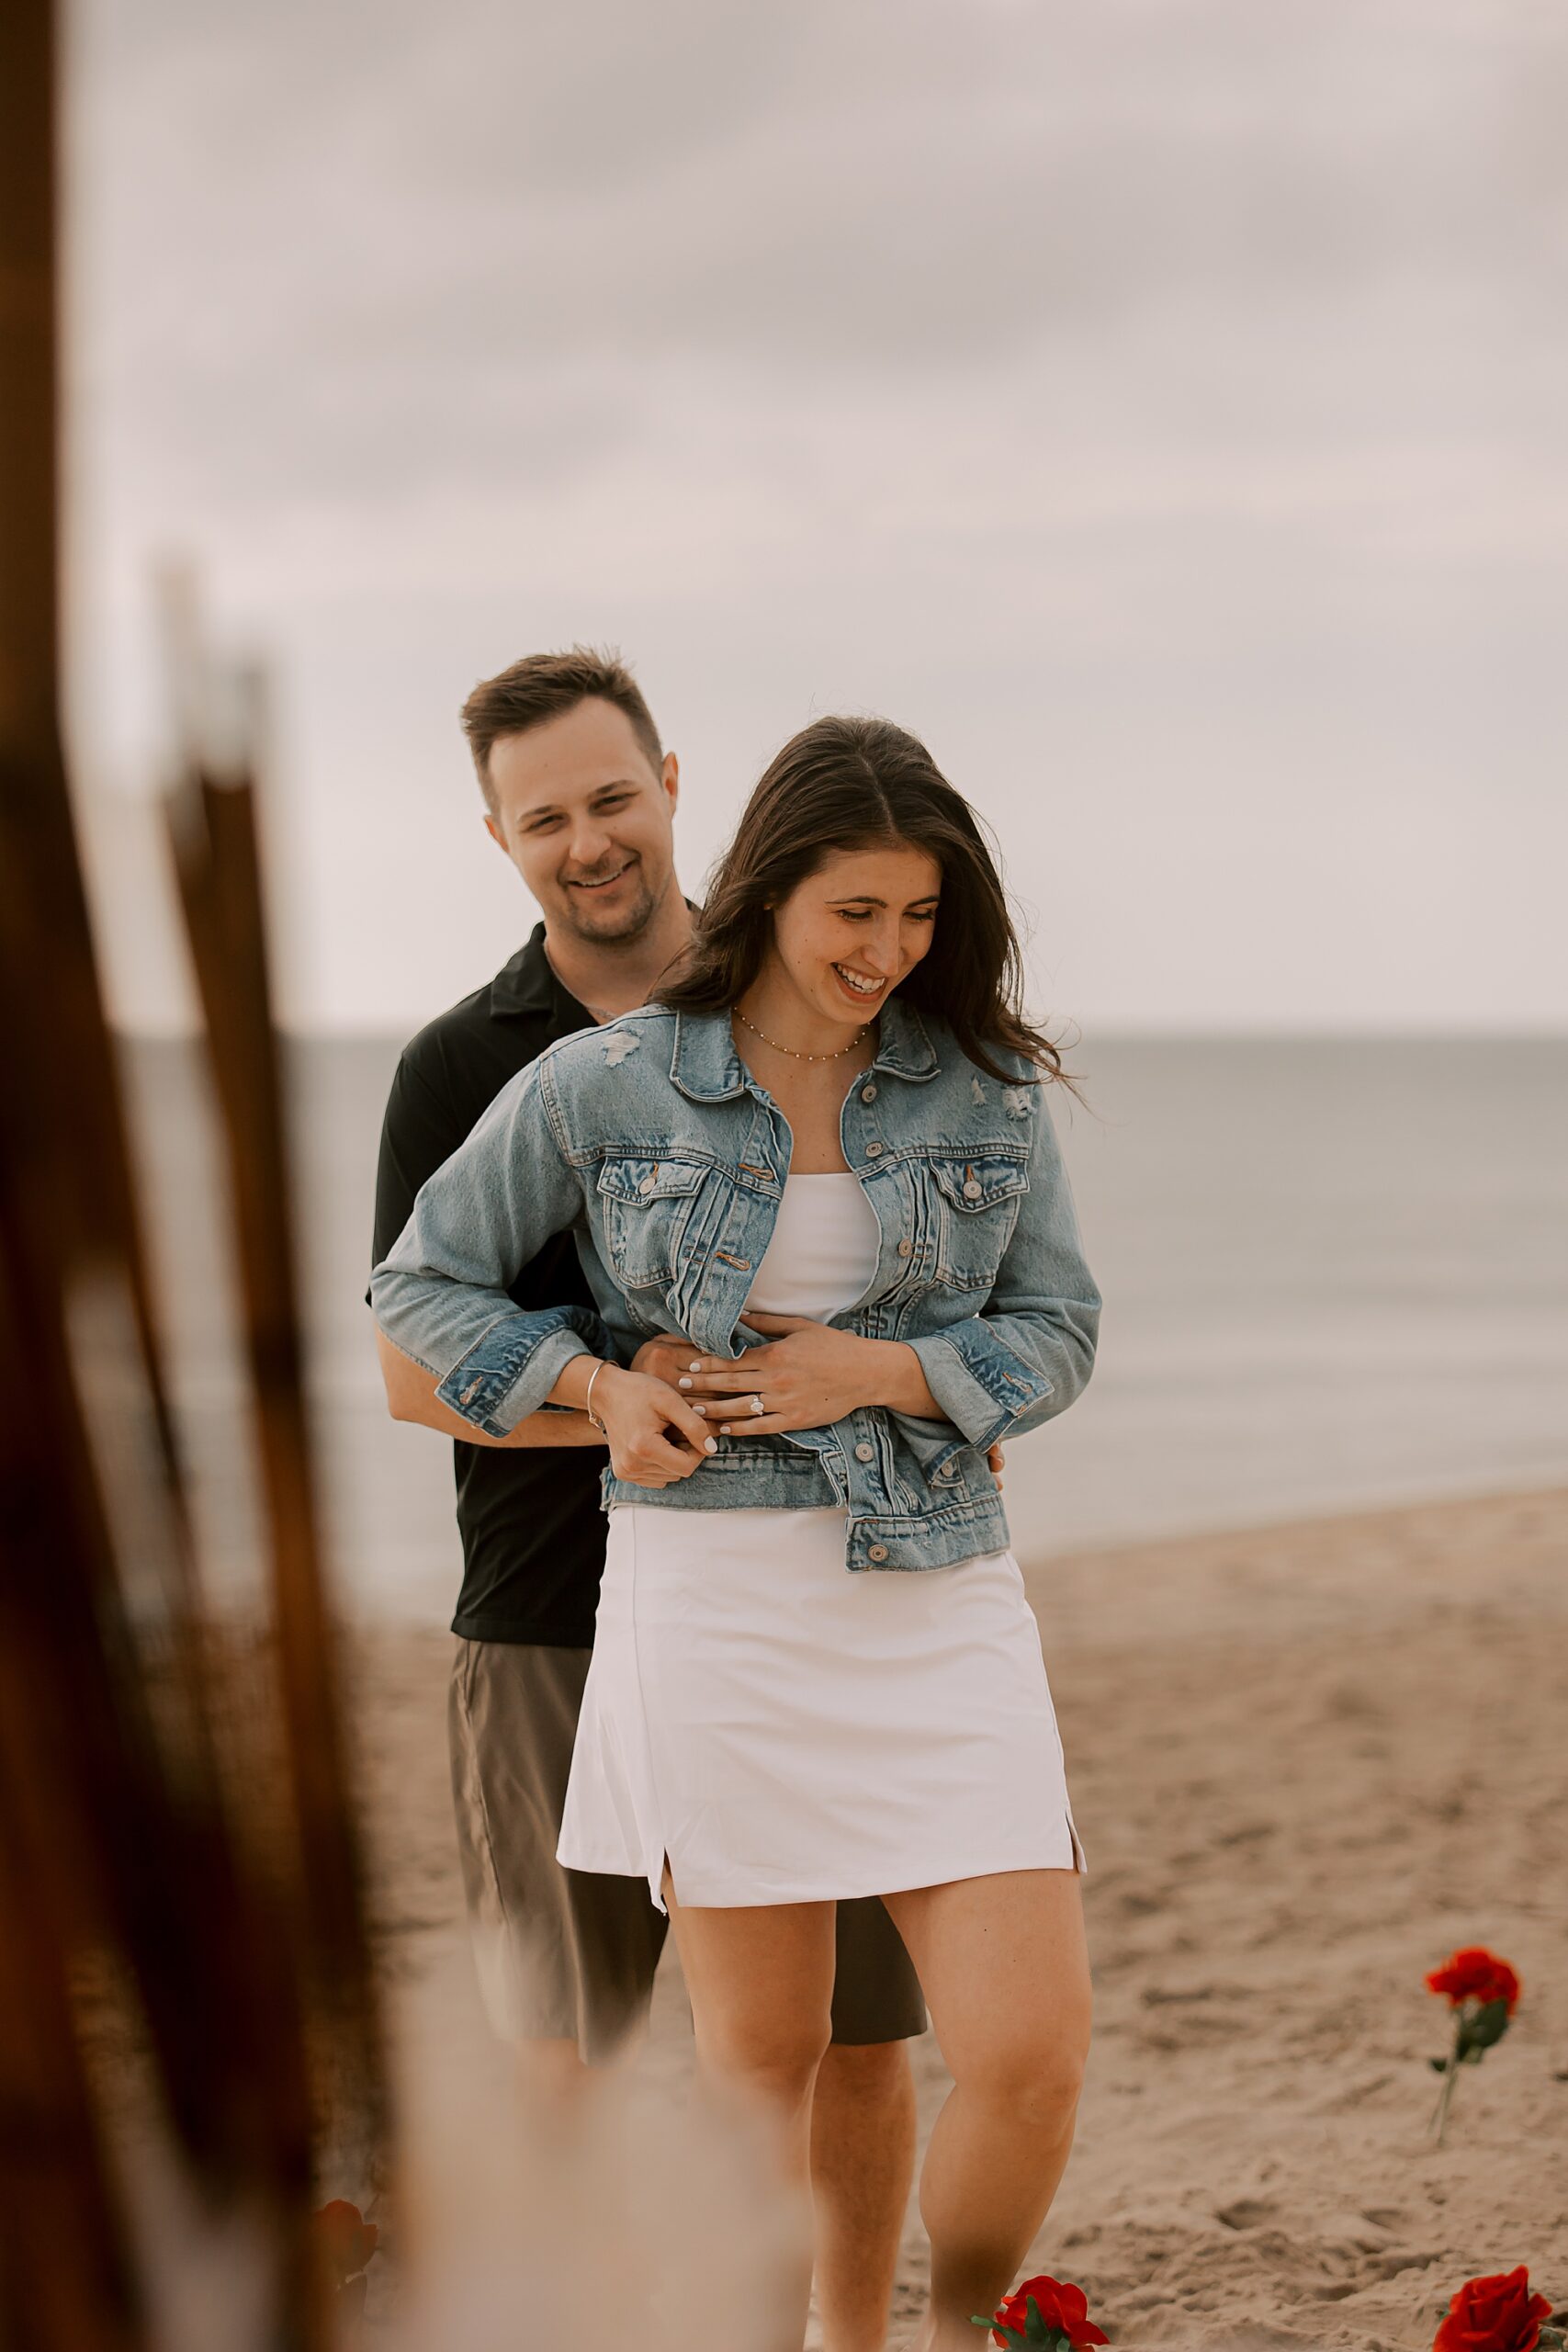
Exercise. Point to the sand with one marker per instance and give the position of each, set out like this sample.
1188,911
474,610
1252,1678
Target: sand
1307,1761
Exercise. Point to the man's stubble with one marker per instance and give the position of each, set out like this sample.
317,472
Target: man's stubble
619,931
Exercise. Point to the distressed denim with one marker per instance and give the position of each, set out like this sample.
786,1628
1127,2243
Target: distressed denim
653,1144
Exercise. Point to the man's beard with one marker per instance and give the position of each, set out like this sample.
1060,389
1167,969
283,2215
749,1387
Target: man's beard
612,930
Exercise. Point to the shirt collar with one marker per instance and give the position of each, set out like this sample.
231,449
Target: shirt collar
706,1067
527,983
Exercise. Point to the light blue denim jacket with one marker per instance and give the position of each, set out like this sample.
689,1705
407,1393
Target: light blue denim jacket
651,1140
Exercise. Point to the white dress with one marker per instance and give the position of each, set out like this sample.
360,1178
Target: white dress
785,1730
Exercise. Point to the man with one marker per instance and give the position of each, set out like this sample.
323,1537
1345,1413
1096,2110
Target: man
580,797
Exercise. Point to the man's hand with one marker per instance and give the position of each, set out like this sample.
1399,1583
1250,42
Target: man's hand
655,1436
665,1358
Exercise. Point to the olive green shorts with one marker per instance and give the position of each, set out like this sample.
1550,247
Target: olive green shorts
570,1955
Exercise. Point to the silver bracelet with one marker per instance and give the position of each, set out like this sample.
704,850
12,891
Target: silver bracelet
588,1399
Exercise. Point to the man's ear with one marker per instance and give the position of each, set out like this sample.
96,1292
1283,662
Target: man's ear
493,830
670,777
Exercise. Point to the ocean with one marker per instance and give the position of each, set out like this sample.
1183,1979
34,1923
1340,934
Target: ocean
1336,1276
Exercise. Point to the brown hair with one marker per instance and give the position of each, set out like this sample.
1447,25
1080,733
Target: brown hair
850,784
547,685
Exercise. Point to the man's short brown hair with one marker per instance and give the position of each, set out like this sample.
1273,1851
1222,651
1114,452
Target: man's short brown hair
547,685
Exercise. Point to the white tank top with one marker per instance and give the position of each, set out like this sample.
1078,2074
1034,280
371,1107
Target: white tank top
823,1252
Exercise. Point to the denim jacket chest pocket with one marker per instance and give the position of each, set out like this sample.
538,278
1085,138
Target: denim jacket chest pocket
976,1199
646,1205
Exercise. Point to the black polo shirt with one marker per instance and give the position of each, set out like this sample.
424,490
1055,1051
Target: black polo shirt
532,1529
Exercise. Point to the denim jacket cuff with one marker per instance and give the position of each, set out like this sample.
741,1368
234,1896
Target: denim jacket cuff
933,1443
510,1369
978,1381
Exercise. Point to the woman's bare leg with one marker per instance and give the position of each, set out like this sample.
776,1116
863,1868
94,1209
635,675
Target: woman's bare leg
863,2160
1005,1971
760,1981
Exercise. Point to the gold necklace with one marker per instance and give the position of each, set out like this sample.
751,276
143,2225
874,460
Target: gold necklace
794,1051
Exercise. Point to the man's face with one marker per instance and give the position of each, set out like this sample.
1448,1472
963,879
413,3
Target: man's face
587,821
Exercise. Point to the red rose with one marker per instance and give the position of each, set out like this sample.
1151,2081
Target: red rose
1475,1974
1059,2305
1496,2314
346,2239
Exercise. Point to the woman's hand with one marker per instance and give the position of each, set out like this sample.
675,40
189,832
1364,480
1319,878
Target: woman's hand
655,1436
810,1375
670,1359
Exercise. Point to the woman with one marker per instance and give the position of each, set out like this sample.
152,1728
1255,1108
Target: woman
823,1155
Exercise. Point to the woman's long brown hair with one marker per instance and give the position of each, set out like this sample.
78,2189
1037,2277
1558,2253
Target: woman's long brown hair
845,783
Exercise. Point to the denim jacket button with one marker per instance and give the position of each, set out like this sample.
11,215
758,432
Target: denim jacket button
973,1189
864,1453
868,1094
876,1551
873,1150
906,1248
648,1184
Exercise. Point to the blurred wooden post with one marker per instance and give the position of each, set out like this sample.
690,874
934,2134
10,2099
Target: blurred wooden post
213,829
65,2274
29,580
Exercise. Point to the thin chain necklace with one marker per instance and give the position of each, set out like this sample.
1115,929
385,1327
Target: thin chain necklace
794,1051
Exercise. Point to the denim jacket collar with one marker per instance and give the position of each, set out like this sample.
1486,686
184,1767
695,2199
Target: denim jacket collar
706,1068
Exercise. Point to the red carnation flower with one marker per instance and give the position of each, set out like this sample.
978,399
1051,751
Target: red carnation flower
346,2239
1482,1991
1497,2314
1059,2317
1475,1974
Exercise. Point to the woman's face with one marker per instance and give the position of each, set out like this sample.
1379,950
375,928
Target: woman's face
847,936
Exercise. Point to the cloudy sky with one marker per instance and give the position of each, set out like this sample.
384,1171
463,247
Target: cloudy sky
1158,404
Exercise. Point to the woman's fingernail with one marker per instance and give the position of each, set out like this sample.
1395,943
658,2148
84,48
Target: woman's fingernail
682,1381
710,1445
695,1367
724,1429
701,1411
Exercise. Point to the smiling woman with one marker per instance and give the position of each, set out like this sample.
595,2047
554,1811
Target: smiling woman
848,844
845,938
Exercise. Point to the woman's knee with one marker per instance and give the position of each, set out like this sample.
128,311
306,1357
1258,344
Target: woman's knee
780,2055
1037,2078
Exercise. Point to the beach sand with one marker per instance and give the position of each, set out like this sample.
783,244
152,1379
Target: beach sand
1307,1761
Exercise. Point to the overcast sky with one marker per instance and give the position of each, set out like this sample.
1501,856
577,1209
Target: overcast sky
1157,404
